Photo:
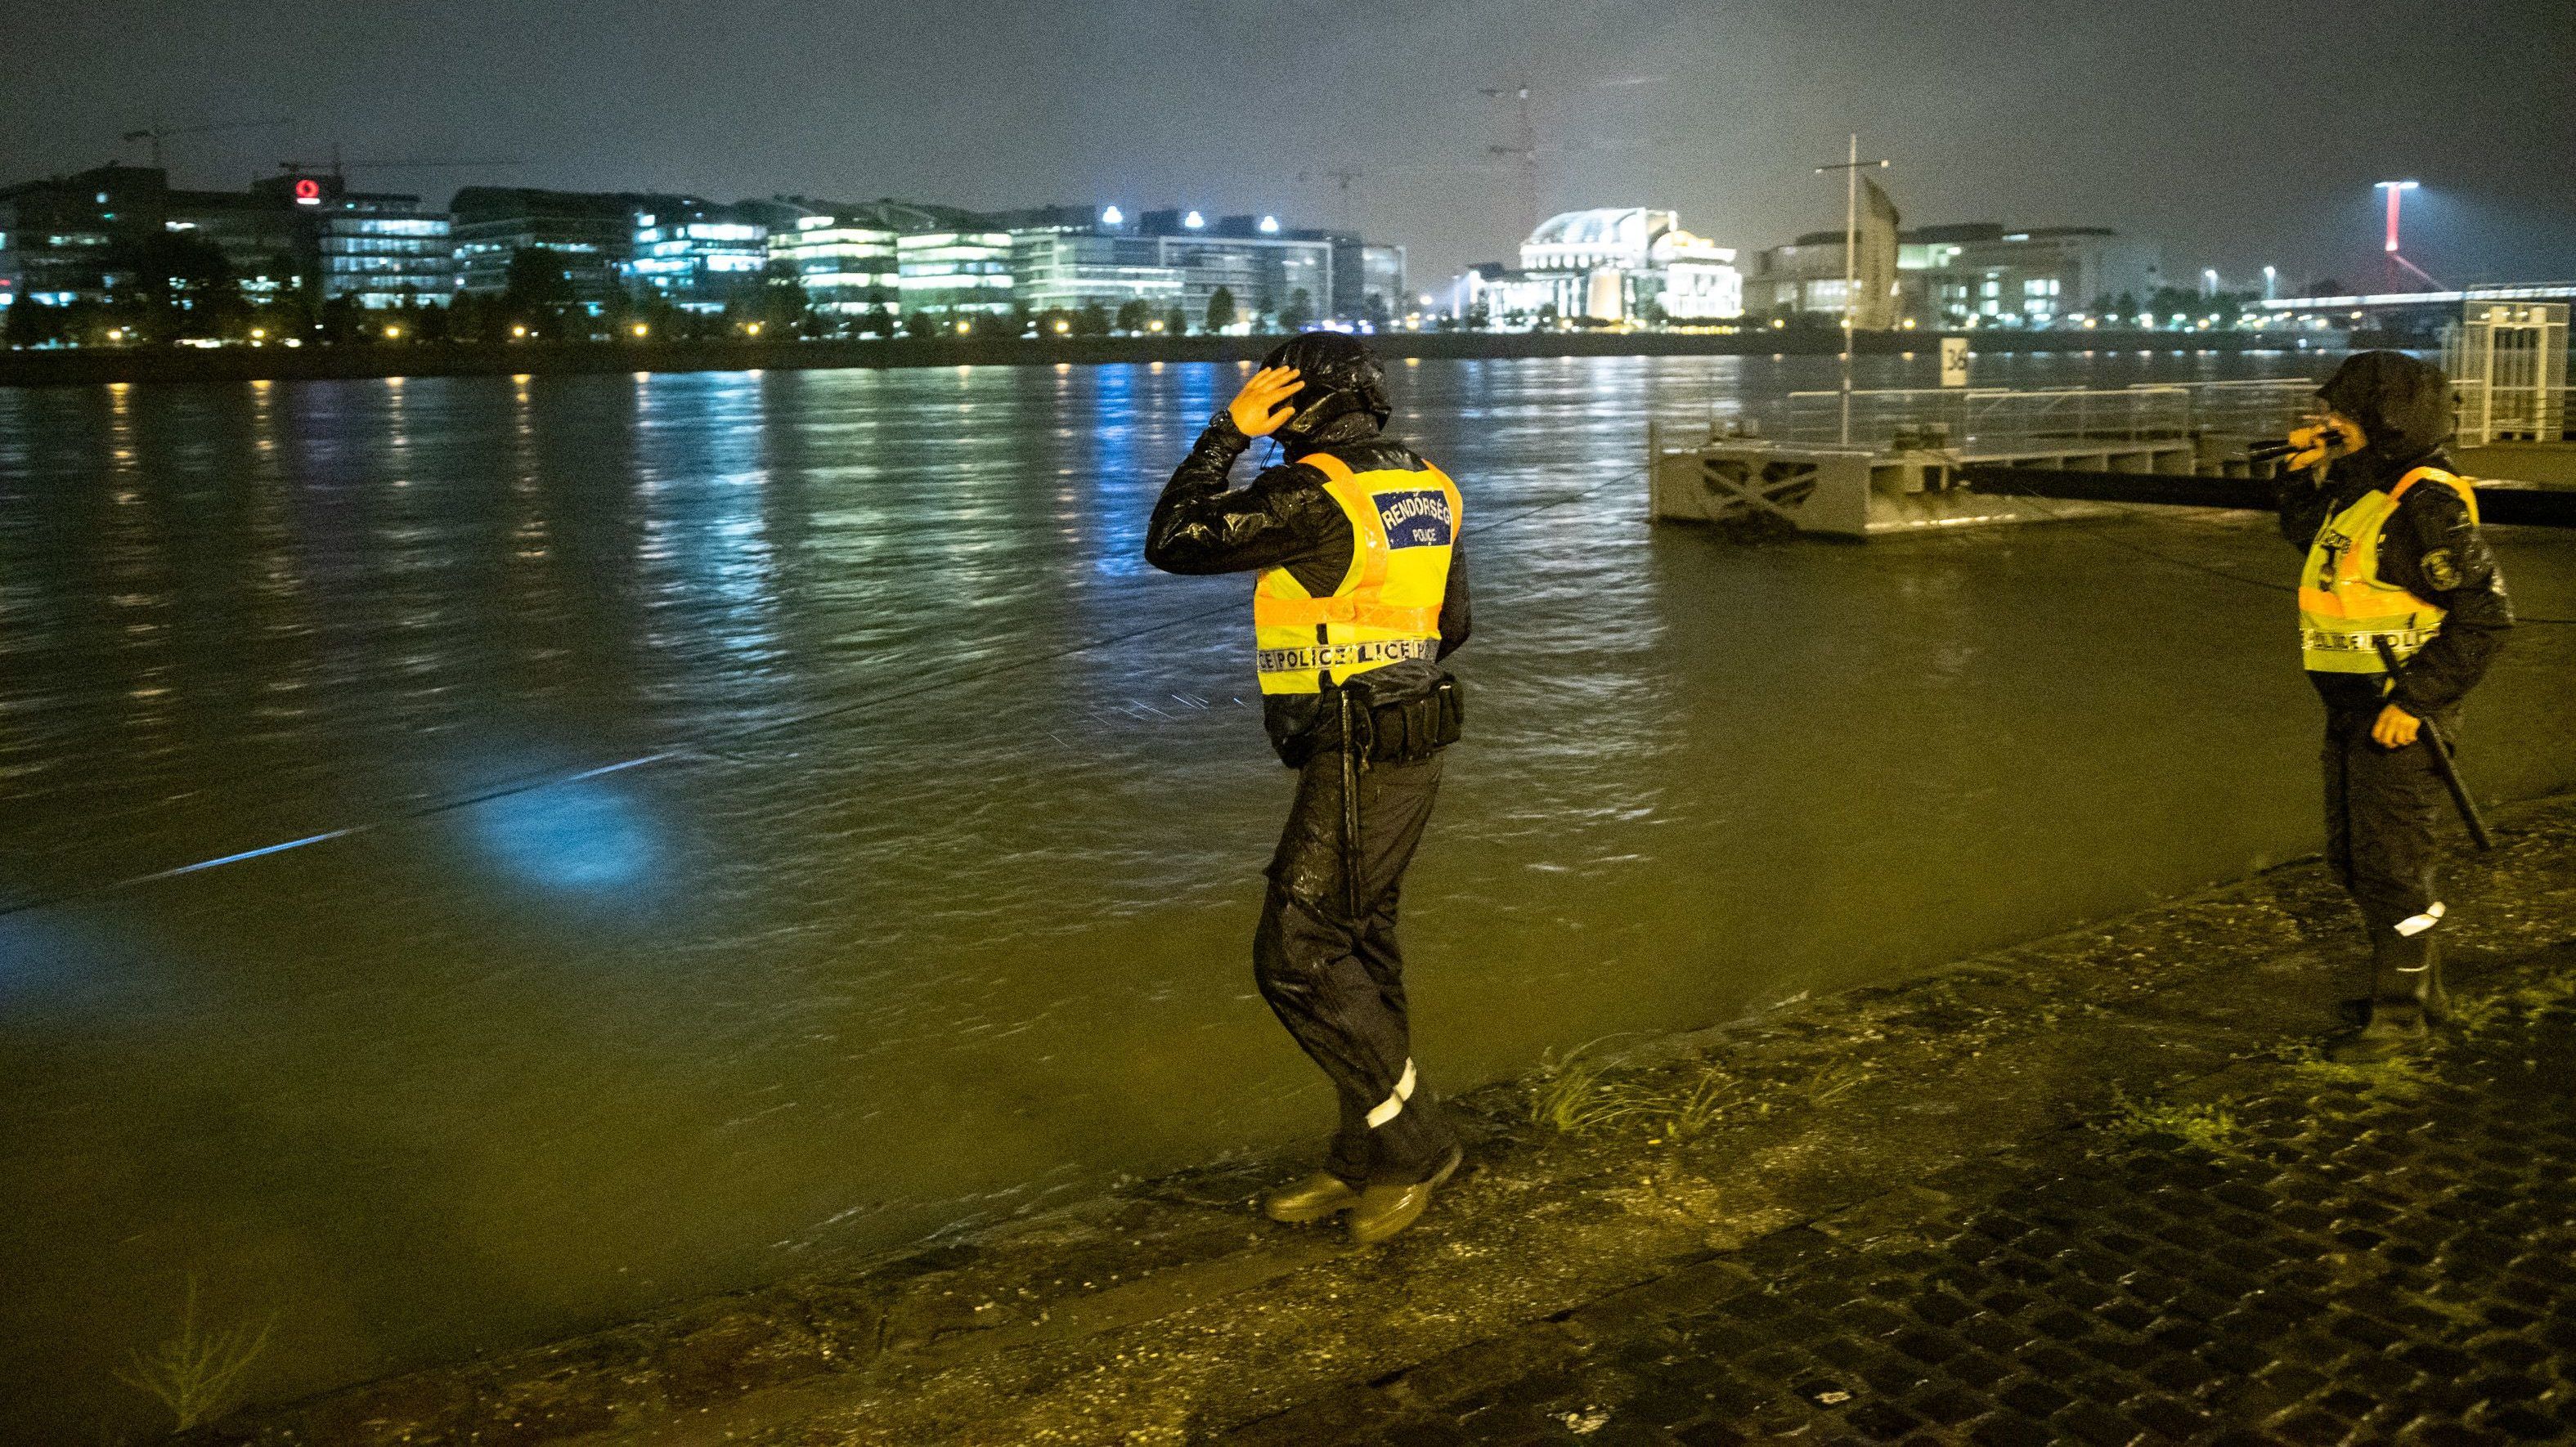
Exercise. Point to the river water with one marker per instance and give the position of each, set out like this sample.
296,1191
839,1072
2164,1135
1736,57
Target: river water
924,894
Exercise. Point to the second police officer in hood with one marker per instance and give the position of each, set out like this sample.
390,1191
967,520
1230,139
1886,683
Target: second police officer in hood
2394,558
1361,592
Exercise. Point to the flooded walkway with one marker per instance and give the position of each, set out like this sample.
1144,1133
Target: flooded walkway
2100,1187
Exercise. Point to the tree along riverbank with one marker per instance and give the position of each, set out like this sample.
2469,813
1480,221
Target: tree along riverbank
93,366
1606,1196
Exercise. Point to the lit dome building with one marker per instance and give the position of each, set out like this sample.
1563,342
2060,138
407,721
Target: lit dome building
1613,264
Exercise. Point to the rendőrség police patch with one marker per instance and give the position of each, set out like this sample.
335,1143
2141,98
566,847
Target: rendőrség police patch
1417,519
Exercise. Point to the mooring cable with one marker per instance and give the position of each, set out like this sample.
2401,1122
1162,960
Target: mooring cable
708,748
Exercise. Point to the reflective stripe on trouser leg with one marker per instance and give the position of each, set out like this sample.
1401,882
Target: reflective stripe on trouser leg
2414,925
1393,1105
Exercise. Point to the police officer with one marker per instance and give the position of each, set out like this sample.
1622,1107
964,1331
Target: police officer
2393,555
1361,590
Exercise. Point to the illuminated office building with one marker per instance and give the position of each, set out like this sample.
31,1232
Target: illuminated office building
846,263
1382,283
1069,267
1982,275
385,250
1260,263
697,256
591,234
965,269
1975,274
72,238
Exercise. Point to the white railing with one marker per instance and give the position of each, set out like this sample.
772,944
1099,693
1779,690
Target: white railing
2503,413
1990,421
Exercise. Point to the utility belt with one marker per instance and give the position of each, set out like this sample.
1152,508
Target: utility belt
1402,730
1425,716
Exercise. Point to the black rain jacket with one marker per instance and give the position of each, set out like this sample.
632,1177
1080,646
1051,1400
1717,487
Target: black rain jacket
1284,519
2431,547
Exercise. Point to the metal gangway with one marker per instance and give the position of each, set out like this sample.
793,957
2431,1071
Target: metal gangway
1898,465
1990,423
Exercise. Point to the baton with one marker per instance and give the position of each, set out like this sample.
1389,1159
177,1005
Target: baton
1350,812
2442,764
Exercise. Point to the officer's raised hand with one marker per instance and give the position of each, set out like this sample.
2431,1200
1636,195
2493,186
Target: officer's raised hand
2322,440
1261,407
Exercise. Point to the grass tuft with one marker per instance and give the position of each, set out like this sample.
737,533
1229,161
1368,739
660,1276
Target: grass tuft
1576,1093
1573,1093
2397,1073
2475,1013
1691,1110
2211,1128
197,1373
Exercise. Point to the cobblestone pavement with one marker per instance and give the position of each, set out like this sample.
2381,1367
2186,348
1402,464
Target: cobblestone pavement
2300,1253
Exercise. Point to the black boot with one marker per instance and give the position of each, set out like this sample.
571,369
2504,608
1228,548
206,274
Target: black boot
2395,1027
2405,997
2429,994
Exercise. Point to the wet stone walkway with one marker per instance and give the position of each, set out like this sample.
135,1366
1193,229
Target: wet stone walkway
2298,1252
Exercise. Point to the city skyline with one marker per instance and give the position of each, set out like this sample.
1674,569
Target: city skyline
1150,104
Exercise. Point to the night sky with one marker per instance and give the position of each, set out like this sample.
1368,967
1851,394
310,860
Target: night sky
2237,133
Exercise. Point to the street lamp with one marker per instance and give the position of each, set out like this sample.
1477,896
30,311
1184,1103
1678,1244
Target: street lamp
1851,169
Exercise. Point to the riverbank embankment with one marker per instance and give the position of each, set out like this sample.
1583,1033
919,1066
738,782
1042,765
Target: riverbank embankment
95,366
1771,1226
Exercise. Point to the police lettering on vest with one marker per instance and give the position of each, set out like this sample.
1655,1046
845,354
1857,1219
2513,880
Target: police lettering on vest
1404,528
2345,608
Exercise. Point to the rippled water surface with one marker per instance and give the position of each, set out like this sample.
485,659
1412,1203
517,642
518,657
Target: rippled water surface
924,895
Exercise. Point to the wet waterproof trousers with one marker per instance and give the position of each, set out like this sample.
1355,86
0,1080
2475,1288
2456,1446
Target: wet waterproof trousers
1337,982
2381,808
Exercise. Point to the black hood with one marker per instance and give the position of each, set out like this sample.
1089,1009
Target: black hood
1339,383
2402,404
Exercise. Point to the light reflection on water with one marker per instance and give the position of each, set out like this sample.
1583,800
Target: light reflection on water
939,913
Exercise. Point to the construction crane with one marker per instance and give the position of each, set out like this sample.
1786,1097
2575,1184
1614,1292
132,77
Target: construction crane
1524,148
338,166
156,132
1342,183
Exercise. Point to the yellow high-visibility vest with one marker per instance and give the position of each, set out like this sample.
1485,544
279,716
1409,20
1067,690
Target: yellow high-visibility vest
1404,527
2344,606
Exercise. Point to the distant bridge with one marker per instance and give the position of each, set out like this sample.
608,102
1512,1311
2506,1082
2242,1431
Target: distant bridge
2446,302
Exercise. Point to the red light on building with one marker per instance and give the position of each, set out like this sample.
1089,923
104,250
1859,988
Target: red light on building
308,192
